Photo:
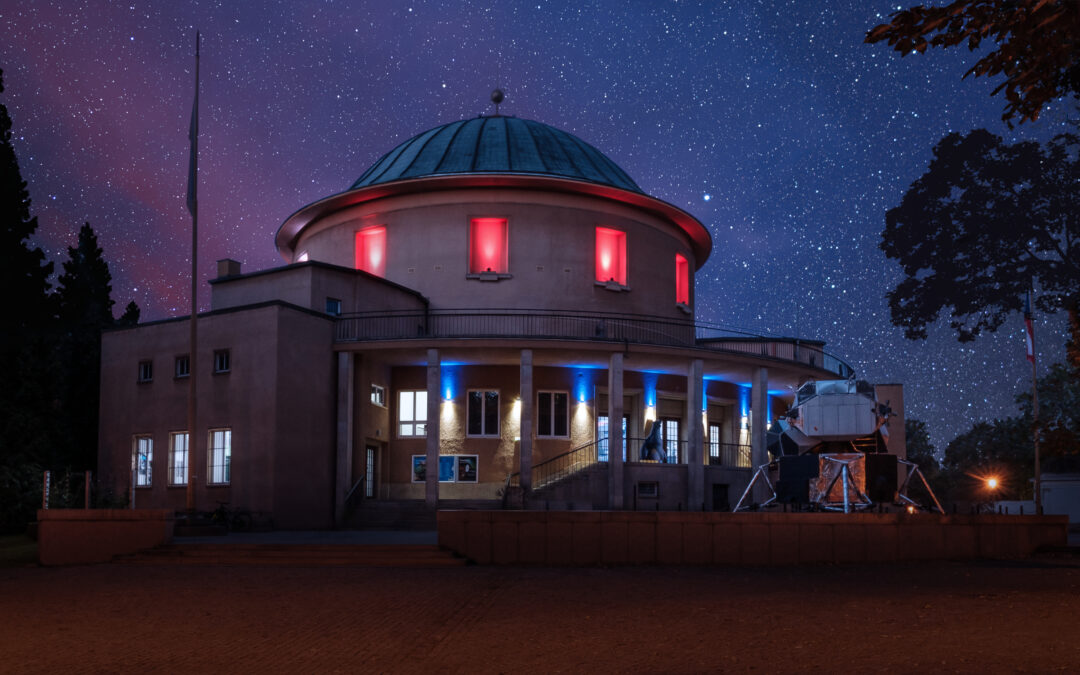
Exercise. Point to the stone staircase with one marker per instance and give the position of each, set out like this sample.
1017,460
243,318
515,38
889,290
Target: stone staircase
408,515
295,555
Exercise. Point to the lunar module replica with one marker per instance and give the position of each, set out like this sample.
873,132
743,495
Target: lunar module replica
829,453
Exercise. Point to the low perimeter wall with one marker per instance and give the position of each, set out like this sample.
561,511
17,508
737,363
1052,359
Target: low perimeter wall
79,536
674,538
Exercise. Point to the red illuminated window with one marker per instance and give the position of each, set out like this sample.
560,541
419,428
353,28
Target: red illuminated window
488,246
371,250
682,280
610,256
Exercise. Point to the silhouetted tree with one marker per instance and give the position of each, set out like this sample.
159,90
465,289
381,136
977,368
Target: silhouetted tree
1002,449
131,314
25,399
985,222
1059,417
84,303
1036,45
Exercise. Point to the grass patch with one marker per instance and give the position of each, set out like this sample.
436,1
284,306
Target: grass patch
17,550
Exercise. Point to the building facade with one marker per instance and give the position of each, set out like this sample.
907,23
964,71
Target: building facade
466,322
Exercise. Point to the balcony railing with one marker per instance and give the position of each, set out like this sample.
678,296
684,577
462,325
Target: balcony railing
578,325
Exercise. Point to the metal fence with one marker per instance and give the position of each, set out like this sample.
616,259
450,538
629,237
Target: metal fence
729,454
576,325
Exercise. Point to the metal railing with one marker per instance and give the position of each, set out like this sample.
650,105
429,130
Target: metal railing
729,454
578,325
560,466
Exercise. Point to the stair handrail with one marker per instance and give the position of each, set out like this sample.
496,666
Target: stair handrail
349,505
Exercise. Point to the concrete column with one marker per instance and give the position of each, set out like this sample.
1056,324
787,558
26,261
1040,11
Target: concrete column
695,437
526,426
345,392
434,398
759,404
615,439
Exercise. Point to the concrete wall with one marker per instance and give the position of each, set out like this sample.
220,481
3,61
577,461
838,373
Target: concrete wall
551,249
629,538
79,537
277,398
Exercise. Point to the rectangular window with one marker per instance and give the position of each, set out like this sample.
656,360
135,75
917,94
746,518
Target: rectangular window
603,431
146,371
371,250
714,442
178,454
182,366
488,246
369,473
412,413
483,413
552,414
378,395
144,457
222,362
219,456
610,256
333,307
669,431
682,280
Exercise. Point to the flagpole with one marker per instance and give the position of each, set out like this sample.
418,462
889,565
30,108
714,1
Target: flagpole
193,370
1034,402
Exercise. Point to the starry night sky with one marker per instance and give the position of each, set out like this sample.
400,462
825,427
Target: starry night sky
771,122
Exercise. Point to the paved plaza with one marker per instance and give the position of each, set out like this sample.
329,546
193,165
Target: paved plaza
933,617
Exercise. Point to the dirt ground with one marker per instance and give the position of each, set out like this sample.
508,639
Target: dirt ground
984,617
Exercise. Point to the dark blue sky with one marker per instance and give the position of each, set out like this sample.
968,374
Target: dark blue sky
771,122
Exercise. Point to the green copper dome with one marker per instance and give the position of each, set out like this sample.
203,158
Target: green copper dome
496,145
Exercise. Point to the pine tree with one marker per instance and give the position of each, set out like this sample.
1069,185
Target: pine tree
26,400
84,309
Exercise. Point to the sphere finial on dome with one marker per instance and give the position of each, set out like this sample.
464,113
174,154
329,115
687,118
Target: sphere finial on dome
497,97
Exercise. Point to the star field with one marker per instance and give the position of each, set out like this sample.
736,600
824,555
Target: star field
771,122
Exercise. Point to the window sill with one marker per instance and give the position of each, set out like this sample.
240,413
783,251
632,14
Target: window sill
181,377
612,285
222,372
489,276
495,436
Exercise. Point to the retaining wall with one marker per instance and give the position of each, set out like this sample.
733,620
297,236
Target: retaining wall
680,538
80,536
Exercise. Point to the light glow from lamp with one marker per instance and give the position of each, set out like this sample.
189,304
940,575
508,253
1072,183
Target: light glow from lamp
488,246
371,250
682,280
610,255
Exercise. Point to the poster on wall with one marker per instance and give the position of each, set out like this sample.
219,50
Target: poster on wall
466,468
446,469
419,468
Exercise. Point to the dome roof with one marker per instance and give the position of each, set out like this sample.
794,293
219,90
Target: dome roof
496,145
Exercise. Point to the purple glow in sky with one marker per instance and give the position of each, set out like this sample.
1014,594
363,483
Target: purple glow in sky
771,122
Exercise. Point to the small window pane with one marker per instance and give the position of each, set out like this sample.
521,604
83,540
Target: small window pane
561,416
491,413
476,412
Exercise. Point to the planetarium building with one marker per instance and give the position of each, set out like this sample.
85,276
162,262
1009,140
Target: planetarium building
494,314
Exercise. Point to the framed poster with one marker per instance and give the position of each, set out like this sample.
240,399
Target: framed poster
466,468
419,468
446,469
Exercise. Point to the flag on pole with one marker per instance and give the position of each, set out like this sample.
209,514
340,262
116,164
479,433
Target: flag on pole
193,135
1030,331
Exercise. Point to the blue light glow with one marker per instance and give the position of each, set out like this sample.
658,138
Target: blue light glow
649,378
581,387
449,382
744,401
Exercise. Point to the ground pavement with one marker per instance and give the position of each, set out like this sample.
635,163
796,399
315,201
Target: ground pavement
981,617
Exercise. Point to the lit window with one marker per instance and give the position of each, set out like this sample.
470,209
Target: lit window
182,366
378,395
144,457
178,453
552,413
603,432
219,456
483,413
221,361
488,246
371,250
333,307
714,442
146,371
412,413
682,280
669,431
610,256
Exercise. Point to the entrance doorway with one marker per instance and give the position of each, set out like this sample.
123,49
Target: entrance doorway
370,465
720,497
